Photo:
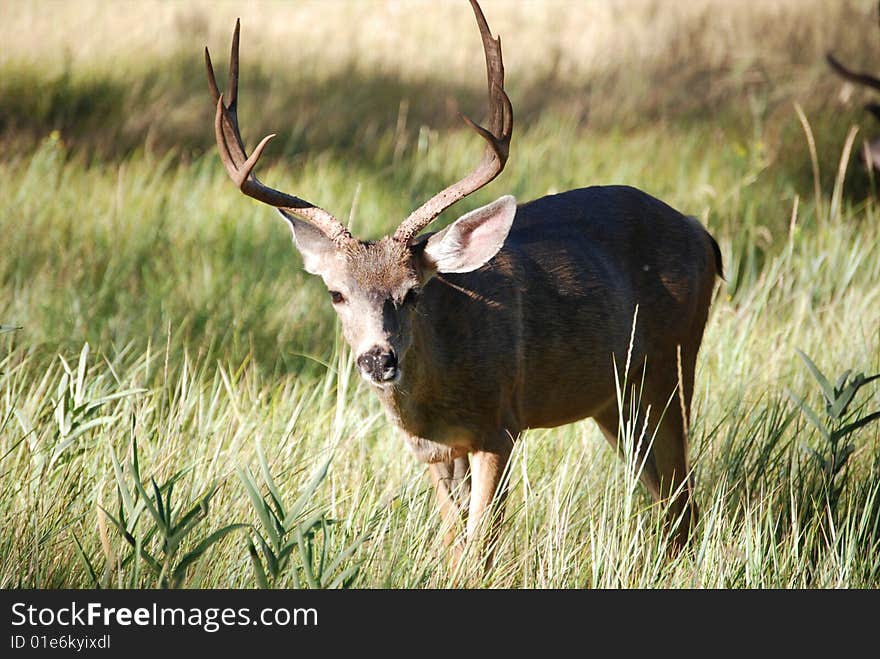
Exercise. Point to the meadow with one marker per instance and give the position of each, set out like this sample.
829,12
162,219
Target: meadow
177,406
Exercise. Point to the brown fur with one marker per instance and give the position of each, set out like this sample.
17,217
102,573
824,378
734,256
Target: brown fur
531,338
384,266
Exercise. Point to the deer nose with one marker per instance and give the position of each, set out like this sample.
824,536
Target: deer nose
379,365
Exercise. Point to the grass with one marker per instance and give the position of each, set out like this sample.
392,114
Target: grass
176,371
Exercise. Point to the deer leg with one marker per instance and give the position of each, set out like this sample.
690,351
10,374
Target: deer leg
674,483
488,492
452,485
676,480
663,452
608,421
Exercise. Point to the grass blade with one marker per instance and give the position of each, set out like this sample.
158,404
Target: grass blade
192,556
259,505
811,416
85,560
258,566
307,494
827,389
855,425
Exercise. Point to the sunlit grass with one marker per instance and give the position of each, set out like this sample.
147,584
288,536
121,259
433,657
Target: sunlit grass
194,307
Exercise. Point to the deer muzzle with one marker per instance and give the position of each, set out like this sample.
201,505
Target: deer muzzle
379,366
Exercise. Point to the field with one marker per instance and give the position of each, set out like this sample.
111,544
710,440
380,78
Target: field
177,406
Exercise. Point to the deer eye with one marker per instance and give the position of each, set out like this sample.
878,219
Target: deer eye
337,297
412,296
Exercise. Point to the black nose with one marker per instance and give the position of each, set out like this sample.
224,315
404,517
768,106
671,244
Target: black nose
380,364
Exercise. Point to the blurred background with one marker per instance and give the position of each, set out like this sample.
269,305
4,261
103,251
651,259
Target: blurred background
117,76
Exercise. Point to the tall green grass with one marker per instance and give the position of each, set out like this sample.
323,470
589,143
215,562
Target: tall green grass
212,352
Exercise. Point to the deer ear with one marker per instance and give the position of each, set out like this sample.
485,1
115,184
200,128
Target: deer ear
472,239
317,250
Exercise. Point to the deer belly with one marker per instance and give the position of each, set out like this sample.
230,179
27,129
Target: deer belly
554,397
427,451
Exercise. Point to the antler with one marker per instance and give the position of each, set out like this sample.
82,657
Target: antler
865,79
859,78
240,167
497,138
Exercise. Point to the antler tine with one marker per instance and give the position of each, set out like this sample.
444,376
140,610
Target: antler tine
232,82
497,138
212,81
859,78
233,67
240,166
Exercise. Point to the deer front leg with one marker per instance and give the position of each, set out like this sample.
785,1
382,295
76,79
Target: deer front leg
488,492
452,484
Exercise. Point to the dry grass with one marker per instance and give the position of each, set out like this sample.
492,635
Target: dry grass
418,38
111,76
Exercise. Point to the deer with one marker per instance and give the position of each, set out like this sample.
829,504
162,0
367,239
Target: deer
871,153
511,317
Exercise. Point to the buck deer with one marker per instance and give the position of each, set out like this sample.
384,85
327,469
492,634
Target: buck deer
512,317
871,154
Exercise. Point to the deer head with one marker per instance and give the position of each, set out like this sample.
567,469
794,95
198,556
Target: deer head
374,286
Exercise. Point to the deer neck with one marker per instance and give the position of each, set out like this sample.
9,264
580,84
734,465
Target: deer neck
422,373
